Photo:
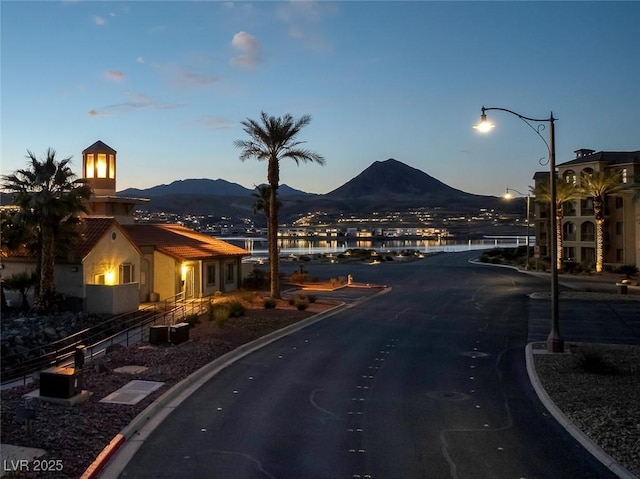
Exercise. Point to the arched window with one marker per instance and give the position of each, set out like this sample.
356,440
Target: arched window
587,231
569,231
569,176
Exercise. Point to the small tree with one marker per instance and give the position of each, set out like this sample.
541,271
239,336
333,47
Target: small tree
50,198
22,283
564,192
598,185
273,139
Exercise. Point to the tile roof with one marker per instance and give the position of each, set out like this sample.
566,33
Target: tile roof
181,242
90,231
609,157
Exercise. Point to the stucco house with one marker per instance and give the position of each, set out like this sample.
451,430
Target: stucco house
178,260
117,264
101,269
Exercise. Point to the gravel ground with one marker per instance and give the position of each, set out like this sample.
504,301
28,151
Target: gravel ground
597,387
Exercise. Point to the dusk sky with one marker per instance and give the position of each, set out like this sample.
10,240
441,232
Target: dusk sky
167,83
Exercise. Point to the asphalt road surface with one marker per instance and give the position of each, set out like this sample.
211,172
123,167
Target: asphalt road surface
425,381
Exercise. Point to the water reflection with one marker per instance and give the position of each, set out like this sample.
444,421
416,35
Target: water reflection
258,246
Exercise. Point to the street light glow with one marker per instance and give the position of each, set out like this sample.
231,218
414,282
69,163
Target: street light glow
485,125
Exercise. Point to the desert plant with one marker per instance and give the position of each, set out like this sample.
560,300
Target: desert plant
594,362
236,309
219,313
302,305
627,269
192,319
269,303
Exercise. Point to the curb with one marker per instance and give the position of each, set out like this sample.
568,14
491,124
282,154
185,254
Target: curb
595,450
113,459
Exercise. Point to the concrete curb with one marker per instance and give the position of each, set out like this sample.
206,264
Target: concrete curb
113,459
595,450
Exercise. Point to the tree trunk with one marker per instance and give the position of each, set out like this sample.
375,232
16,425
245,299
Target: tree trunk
559,215
272,231
598,213
47,267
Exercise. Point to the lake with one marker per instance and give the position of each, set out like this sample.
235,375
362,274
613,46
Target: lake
257,247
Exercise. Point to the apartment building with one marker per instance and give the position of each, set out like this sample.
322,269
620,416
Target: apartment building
622,210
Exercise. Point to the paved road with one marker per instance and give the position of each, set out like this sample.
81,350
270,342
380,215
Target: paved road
426,381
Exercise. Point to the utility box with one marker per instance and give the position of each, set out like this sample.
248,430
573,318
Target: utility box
158,334
59,382
179,333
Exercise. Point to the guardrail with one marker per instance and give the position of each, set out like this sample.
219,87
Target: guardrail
125,329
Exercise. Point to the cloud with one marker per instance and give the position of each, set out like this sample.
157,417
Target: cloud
303,19
139,101
249,48
215,122
115,75
188,79
100,21
140,60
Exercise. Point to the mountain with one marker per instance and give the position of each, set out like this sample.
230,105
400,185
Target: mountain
394,182
200,187
388,185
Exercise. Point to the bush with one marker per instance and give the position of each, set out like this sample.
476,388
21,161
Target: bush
192,319
269,303
302,305
219,313
595,363
236,309
627,269
257,279
312,298
298,277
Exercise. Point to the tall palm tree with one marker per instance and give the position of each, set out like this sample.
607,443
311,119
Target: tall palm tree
273,139
564,192
262,195
599,184
49,193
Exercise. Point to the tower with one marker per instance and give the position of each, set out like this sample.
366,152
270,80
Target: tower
99,170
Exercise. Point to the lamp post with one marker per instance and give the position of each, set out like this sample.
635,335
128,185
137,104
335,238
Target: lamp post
555,344
508,195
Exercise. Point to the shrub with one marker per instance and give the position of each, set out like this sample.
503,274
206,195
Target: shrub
302,305
236,309
257,279
312,298
595,363
192,319
219,313
269,303
627,269
298,277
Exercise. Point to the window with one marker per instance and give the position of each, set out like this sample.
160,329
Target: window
569,231
619,256
623,175
587,231
101,165
587,207
619,228
619,201
570,177
112,166
99,279
211,274
126,273
230,272
89,166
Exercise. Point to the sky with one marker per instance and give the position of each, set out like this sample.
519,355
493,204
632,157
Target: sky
167,83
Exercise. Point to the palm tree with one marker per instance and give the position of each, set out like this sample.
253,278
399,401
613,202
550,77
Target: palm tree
564,192
273,139
262,195
49,194
599,184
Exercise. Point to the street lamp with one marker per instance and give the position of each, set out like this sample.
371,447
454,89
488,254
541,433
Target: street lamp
508,196
555,344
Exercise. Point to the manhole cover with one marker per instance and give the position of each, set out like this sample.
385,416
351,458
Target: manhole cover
448,396
474,354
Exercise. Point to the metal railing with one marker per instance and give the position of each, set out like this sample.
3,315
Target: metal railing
125,329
